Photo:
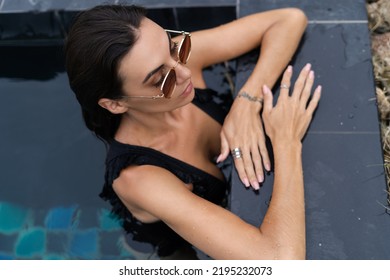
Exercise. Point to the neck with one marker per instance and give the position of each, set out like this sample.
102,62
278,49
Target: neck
145,127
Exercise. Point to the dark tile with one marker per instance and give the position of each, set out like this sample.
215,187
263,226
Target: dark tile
341,59
248,204
183,3
315,10
345,193
190,19
20,62
56,243
30,28
163,17
110,244
84,244
88,217
7,243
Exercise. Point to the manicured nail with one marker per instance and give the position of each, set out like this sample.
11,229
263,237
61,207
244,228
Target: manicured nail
260,178
311,74
219,158
255,185
307,67
267,167
289,69
246,182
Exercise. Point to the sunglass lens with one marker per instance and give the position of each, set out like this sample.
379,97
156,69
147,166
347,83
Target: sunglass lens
185,49
169,85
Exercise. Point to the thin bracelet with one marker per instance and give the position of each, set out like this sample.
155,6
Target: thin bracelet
250,97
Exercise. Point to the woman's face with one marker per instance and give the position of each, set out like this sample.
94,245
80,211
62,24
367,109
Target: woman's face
144,67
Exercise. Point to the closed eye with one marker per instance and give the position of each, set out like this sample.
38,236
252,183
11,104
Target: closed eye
160,81
174,48
173,52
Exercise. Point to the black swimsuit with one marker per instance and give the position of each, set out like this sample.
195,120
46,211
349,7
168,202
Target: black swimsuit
205,185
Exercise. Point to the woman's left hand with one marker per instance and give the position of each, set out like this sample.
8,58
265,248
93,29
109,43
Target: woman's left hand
243,131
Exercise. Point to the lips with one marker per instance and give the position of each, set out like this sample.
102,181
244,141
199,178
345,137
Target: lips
187,91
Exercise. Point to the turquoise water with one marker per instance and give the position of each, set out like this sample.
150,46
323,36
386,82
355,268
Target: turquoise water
62,236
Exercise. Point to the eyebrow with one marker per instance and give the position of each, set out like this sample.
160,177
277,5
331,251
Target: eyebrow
151,73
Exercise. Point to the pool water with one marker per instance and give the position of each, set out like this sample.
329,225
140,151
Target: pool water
51,166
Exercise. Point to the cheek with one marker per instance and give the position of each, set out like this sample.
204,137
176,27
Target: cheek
130,89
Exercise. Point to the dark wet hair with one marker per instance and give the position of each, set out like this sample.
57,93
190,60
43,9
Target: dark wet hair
97,41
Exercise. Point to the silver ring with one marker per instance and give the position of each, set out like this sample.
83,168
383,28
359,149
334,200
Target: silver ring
284,86
236,153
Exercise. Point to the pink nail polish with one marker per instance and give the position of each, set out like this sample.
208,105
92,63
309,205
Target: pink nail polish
246,182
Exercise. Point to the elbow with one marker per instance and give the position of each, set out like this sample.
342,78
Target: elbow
287,246
298,17
279,252
289,253
296,252
293,255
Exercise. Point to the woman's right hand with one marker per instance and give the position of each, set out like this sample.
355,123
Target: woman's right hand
288,120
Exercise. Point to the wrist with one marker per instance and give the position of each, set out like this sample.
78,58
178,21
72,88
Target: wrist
284,146
252,98
253,101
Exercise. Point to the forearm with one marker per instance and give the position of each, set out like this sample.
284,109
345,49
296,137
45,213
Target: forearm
278,45
284,222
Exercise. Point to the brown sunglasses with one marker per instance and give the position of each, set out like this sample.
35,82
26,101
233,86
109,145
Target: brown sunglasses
169,81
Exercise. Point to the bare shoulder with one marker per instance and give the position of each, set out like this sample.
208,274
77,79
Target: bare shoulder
139,187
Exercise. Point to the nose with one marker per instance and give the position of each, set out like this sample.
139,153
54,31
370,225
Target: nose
183,73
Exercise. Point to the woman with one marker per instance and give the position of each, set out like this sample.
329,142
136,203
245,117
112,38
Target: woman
143,96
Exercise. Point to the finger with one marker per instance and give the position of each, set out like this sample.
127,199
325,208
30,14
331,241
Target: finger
286,82
268,99
249,169
307,89
314,101
264,155
224,148
258,165
300,82
238,162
